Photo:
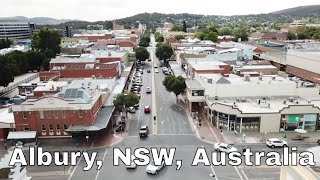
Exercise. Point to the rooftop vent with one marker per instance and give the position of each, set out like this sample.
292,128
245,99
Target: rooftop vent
260,78
246,77
209,80
291,99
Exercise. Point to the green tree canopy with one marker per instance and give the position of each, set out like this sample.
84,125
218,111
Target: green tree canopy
175,84
5,43
242,33
6,72
179,37
47,39
184,26
212,36
141,53
35,59
159,38
199,35
164,51
177,27
125,99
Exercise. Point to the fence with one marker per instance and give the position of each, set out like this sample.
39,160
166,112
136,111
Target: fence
14,86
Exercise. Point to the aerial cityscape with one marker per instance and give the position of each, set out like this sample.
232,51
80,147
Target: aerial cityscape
93,90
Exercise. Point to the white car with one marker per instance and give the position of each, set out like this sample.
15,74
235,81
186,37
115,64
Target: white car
132,164
222,147
131,110
148,90
153,169
275,142
156,71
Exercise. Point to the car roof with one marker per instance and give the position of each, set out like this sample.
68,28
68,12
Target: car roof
144,126
223,144
274,139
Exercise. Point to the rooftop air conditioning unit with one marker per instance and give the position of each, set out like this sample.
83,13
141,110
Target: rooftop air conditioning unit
238,99
235,105
209,80
216,98
273,78
260,78
259,101
291,99
243,99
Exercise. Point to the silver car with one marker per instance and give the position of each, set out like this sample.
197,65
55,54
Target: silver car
154,169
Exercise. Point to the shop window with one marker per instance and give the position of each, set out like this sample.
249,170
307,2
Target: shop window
43,127
58,126
80,114
50,127
26,129
65,127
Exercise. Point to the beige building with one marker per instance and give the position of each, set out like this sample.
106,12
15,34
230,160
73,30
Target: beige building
254,104
298,173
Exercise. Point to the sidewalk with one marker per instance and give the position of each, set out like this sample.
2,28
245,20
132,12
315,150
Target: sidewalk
251,137
211,134
206,132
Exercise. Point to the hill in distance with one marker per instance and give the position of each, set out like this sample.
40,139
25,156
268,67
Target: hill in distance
302,11
37,20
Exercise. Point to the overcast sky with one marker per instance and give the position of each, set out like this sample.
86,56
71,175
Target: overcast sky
92,10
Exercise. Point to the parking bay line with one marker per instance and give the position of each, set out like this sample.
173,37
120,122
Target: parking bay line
238,172
245,176
76,166
211,167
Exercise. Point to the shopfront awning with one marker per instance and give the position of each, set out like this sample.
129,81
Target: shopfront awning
22,135
103,117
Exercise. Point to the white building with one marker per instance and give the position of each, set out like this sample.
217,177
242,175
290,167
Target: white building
254,104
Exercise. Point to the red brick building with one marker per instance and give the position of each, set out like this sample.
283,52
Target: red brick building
52,116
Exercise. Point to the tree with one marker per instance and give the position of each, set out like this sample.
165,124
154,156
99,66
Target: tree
46,64
6,72
47,39
5,43
199,35
291,35
159,38
212,36
125,100
241,33
184,26
177,27
301,35
164,52
316,36
141,53
35,59
225,31
175,84
18,62
179,37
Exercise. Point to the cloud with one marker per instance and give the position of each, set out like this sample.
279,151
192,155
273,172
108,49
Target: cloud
93,10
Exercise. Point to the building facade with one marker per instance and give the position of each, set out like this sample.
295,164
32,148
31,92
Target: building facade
16,30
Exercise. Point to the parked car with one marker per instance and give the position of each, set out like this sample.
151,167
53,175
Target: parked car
156,71
319,141
148,71
131,109
167,73
149,59
222,147
154,169
275,142
144,131
147,109
148,90
136,106
137,84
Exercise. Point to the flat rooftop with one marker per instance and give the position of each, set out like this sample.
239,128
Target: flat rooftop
251,105
73,60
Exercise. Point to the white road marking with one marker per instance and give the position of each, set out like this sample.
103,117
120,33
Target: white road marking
104,156
244,174
211,167
75,168
238,172
170,130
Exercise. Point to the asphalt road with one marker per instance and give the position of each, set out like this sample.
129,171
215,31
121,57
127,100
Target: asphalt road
171,130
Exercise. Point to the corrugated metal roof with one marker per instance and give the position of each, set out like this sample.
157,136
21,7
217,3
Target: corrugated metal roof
22,135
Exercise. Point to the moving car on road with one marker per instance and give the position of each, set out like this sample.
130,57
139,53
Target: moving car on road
147,109
154,169
275,142
144,131
222,147
156,71
148,90
148,71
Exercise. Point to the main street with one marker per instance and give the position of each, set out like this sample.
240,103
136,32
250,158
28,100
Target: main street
171,129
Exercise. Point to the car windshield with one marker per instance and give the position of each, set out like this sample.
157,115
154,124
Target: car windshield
229,147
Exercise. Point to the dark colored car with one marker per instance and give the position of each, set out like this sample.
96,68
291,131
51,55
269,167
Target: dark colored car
148,71
319,141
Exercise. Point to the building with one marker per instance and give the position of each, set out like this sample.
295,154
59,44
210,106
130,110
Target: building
16,30
304,63
226,38
195,66
167,25
94,27
254,104
76,104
